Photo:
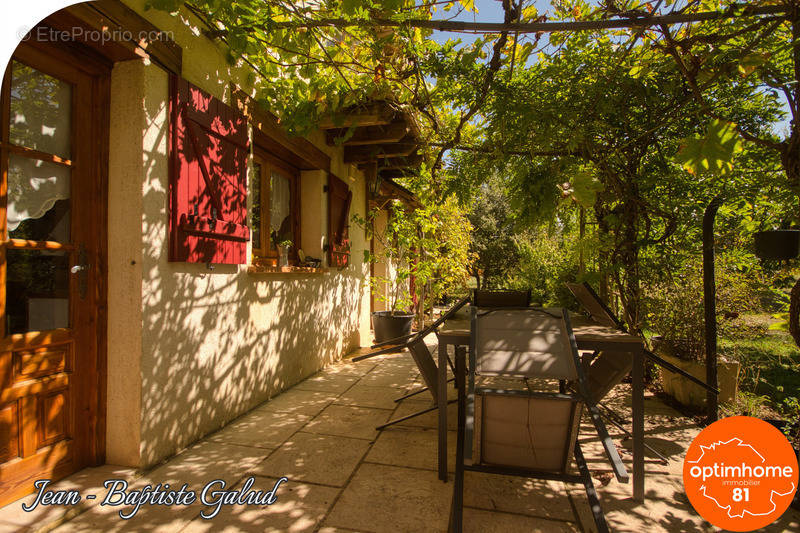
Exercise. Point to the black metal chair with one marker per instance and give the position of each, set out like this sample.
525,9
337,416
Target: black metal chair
517,431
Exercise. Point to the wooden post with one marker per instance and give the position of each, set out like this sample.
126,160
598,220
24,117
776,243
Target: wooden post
582,234
710,306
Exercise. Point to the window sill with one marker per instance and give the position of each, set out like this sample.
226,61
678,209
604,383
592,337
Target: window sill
263,269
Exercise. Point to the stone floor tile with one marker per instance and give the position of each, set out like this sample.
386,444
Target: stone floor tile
88,481
299,401
321,459
427,420
299,507
205,462
396,380
390,498
480,521
518,495
349,367
328,382
347,421
151,518
412,447
367,396
262,428
338,530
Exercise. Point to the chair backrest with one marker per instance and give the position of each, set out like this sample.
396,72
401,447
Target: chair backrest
501,298
607,370
426,365
594,305
535,431
523,342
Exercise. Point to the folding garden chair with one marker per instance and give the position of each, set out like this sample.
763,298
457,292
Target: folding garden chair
520,432
423,359
605,370
600,312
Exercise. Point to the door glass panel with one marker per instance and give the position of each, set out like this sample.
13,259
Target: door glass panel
41,114
255,212
37,290
280,199
38,200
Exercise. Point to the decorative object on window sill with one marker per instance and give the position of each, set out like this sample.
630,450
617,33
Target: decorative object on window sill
306,261
283,250
267,269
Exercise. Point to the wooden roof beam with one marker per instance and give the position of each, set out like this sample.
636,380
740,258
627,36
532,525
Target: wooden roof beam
371,115
399,163
361,154
364,135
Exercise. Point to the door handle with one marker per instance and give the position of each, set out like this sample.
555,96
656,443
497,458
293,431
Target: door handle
82,270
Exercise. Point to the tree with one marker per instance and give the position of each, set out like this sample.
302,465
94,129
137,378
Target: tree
600,121
493,237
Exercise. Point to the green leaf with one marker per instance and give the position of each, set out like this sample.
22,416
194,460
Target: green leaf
637,72
469,5
585,188
749,63
712,153
349,7
530,13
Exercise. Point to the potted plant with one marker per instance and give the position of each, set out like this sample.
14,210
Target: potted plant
422,253
391,284
283,252
676,316
780,244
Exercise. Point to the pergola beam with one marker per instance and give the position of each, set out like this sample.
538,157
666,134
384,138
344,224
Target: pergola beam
367,135
632,20
373,114
362,154
399,163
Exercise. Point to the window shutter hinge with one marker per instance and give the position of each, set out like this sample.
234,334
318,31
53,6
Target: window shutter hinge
324,188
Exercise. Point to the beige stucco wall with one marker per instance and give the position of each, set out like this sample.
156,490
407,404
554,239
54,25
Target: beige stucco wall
189,348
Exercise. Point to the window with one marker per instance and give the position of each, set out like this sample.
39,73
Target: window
275,215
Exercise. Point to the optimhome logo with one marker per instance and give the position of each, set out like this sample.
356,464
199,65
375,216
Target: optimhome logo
730,482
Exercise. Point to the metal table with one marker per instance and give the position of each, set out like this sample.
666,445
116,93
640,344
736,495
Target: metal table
589,336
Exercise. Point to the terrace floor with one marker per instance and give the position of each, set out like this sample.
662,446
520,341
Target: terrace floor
345,476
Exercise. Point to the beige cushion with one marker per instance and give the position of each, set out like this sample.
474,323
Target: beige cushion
529,432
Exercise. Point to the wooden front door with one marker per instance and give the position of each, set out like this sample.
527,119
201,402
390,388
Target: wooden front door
52,263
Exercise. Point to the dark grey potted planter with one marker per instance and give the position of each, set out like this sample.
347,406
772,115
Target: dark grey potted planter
390,326
780,244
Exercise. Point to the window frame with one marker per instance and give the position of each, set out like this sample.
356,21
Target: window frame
269,163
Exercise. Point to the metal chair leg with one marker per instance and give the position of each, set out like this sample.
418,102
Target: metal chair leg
591,493
407,417
458,484
420,391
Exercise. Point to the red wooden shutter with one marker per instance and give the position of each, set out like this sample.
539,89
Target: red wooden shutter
339,199
208,178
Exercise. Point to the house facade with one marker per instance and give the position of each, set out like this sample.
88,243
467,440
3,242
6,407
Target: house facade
146,193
